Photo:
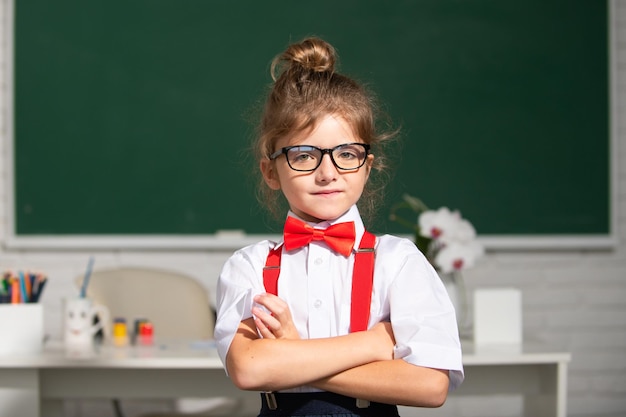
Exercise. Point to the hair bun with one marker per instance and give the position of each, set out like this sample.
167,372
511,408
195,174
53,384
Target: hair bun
311,55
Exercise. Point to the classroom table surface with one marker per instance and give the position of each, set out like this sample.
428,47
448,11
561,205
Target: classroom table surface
533,373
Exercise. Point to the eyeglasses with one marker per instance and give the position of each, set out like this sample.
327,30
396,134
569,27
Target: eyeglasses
305,158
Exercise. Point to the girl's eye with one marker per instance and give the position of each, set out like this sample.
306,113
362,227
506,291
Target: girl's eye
302,157
346,155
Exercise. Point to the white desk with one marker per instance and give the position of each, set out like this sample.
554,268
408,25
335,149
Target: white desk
528,381
33,386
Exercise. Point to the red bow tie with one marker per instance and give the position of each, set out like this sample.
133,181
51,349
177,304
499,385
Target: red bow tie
338,237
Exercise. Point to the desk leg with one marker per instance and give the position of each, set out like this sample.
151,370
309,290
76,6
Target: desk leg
561,393
19,392
552,398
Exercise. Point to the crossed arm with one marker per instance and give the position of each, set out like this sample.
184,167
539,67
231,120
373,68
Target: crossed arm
359,365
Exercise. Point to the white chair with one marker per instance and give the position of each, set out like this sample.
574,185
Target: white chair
177,305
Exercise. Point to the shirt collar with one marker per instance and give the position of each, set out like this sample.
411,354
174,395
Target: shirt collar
352,215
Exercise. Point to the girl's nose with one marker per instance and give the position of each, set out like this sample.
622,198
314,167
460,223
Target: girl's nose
327,171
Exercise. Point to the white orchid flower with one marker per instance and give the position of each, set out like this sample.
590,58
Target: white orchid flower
458,255
450,240
439,225
463,231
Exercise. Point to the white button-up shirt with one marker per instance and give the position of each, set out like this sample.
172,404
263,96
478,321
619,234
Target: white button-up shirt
316,283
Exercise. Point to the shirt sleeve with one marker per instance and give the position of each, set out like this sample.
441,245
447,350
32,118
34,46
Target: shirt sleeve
422,315
240,280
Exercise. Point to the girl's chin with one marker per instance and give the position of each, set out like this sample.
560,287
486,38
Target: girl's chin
320,216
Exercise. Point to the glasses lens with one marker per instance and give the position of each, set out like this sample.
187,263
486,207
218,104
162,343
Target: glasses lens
304,158
349,156
308,158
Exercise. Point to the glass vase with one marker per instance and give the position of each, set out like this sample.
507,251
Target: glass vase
455,285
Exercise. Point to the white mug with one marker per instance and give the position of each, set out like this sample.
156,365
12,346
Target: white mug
79,326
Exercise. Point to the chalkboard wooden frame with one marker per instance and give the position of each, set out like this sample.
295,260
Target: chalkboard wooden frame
229,241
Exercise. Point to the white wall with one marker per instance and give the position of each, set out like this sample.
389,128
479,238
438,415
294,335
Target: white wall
576,299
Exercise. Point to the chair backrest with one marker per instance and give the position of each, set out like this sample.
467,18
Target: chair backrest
176,304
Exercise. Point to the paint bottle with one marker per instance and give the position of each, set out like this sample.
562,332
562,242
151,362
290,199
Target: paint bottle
120,332
146,333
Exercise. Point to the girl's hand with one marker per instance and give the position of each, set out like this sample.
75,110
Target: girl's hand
274,321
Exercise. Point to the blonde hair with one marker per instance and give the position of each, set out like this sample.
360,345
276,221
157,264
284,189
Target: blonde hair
306,88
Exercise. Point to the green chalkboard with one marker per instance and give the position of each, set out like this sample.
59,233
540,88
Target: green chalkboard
130,115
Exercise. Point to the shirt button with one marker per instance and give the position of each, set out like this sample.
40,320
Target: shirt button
317,303
319,261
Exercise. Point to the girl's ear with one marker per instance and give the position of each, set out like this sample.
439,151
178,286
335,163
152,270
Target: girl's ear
269,174
368,164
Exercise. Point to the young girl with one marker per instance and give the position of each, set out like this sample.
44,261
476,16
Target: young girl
331,320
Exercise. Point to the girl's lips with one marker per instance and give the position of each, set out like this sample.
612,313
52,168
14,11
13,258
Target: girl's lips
327,192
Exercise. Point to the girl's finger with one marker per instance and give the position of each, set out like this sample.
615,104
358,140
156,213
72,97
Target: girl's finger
263,330
273,303
276,315
267,319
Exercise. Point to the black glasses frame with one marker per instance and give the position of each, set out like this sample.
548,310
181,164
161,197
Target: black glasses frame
329,151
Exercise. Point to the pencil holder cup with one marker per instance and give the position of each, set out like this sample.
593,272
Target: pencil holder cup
81,324
22,329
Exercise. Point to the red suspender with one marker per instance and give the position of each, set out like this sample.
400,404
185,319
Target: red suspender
272,270
362,280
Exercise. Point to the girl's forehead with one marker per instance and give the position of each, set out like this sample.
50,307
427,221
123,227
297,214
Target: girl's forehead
330,129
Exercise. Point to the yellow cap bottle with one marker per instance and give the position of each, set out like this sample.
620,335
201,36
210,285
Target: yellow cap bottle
120,332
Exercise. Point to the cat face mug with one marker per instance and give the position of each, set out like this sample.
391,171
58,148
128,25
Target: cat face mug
80,324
